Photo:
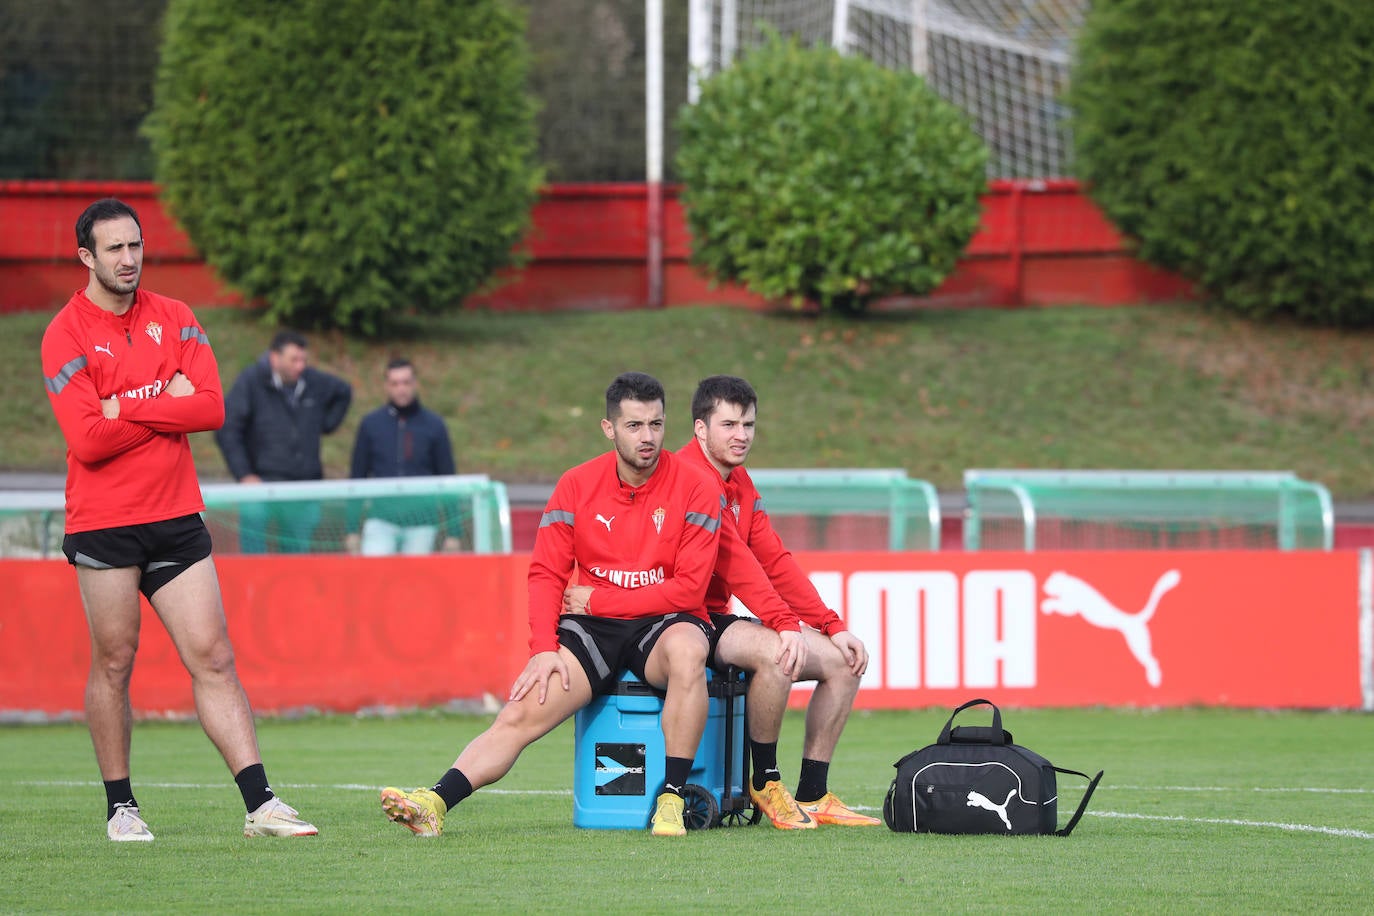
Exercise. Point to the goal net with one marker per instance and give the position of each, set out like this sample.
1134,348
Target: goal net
1004,62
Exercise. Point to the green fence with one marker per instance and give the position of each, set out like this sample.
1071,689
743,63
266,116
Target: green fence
850,508
1141,510
306,517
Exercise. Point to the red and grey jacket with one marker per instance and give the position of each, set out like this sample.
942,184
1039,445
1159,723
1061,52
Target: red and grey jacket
645,551
744,508
136,468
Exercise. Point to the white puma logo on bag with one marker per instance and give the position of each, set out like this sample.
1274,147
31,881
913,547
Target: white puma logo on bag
978,800
605,521
105,349
1070,596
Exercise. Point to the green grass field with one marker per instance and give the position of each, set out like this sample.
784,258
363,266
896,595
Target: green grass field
1199,811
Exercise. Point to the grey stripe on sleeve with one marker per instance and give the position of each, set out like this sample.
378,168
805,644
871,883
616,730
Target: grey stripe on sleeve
554,517
191,332
64,375
709,522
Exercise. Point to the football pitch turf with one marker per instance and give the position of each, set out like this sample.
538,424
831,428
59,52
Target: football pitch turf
1200,810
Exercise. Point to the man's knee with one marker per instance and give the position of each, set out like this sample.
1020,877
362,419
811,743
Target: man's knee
827,662
114,661
684,651
210,658
749,646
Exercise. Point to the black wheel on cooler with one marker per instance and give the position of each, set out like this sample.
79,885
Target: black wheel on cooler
739,817
699,808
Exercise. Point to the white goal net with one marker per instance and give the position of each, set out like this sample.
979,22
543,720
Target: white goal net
1004,62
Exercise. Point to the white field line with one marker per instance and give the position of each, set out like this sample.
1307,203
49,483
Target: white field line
1232,822
1315,790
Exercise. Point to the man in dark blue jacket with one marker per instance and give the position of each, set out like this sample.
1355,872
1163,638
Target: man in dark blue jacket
403,439
274,417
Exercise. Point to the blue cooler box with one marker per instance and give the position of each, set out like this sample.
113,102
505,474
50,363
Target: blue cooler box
618,755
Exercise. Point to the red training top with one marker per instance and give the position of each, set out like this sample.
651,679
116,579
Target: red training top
745,508
136,468
646,550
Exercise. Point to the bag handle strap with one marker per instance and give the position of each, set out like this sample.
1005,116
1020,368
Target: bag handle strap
1083,803
998,736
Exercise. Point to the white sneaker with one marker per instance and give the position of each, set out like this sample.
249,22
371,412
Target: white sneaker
276,818
127,827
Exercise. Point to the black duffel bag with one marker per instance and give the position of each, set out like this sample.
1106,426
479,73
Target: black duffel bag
974,779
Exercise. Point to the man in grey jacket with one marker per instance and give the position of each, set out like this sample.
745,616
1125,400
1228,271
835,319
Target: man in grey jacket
274,417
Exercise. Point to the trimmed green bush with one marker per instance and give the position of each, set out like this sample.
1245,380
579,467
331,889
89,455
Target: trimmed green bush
1231,139
814,177
346,162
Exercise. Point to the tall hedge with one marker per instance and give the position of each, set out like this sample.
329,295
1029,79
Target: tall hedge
345,161
1231,138
814,177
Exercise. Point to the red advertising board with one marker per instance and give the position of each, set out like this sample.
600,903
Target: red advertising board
1076,628
322,632
1142,628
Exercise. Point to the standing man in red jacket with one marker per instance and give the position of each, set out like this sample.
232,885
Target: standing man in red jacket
641,528
129,373
724,412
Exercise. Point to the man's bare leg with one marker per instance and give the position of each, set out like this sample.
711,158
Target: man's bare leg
490,755
191,609
677,665
110,598
833,698
753,648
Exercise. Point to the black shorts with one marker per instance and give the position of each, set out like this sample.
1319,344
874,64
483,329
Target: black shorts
161,550
718,624
607,645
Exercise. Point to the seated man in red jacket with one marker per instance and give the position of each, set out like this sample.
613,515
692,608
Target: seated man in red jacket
642,528
724,410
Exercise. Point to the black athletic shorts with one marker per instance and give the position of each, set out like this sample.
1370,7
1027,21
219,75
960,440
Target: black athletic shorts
718,624
162,550
607,645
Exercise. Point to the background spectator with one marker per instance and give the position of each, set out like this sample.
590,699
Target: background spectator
402,438
274,417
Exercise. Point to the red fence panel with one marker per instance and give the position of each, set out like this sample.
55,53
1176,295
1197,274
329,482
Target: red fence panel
1040,243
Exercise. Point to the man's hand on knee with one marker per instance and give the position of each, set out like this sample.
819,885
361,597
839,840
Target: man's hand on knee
855,654
541,667
792,653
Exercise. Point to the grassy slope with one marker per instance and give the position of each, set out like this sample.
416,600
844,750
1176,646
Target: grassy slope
934,392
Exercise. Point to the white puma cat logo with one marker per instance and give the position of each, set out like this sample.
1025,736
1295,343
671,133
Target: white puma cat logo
1069,595
105,349
605,521
978,800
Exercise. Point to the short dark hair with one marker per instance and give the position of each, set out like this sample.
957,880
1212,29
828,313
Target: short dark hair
717,388
283,339
106,208
632,386
397,362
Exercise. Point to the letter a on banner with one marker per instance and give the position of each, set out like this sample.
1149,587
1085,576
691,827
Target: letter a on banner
999,626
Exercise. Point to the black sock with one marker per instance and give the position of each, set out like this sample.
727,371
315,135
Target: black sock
676,770
118,792
453,788
811,784
765,757
252,783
